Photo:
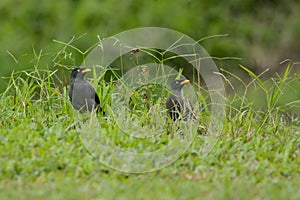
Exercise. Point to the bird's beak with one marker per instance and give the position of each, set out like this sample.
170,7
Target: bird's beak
184,82
86,70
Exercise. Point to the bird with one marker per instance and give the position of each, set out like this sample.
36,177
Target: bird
179,106
82,95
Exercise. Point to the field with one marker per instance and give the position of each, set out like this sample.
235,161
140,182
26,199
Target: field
246,145
257,156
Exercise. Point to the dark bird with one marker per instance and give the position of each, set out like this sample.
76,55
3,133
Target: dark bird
82,95
179,106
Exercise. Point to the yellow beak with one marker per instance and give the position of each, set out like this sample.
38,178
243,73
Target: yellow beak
86,70
184,82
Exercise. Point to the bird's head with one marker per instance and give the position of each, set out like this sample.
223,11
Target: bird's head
79,72
178,84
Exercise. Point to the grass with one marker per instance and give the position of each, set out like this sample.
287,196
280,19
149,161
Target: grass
42,155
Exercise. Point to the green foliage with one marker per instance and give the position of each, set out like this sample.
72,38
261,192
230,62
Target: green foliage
263,33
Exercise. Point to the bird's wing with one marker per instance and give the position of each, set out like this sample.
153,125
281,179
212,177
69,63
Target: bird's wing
95,96
97,100
173,103
189,107
188,103
92,93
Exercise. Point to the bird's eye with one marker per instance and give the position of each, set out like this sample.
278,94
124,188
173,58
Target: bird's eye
177,82
78,70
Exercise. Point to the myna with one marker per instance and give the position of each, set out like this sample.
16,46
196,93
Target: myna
82,95
178,105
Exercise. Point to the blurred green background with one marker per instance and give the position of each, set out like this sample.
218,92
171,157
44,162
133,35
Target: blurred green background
262,33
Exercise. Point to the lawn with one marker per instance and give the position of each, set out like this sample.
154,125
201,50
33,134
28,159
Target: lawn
42,155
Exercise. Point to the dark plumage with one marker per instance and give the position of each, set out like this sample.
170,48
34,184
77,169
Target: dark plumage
82,95
178,105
